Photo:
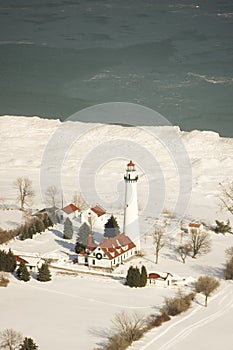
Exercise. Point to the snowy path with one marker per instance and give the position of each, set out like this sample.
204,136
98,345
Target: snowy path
172,334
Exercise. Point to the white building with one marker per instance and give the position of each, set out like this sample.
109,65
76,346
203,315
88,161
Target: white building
131,222
70,211
32,262
94,216
160,279
195,226
110,253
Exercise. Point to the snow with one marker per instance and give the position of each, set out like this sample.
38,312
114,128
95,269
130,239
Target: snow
10,218
75,308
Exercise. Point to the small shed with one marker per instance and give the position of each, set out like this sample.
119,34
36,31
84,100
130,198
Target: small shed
32,262
195,226
160,279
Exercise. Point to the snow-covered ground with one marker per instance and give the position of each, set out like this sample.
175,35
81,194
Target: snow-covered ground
74,310
180,171
77,308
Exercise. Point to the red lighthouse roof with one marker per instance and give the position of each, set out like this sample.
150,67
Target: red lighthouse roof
131,163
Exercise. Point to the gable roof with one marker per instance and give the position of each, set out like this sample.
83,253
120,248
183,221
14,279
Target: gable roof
98,210
31,260
162,276
71,208
19,259
115,246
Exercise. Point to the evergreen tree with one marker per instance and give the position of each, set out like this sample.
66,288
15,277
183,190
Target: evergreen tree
83,234
28,344
133,278
222,227
52,220
68,229
79,247
22,272
7,261
10,262
31,231
111,228
137,277
39,226
143,277
52,217
129,277
44,274
47,220
3,257
19,270
33,225
25,232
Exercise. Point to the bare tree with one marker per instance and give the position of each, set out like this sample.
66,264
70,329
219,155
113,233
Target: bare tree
228,272
79,201
92,219
229,253
159,241
182,230
10,339
200,242
206,285
130,327
183,251
52,195
226,197
25,191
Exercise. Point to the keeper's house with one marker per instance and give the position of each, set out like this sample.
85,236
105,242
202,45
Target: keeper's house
111,252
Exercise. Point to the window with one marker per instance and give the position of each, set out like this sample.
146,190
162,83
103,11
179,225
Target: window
93,254
93,262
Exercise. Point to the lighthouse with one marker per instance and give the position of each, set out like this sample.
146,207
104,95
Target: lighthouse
131,224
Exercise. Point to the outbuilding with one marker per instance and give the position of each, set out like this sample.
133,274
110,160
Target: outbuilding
160,279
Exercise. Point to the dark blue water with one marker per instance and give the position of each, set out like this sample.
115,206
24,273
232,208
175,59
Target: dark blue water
57,57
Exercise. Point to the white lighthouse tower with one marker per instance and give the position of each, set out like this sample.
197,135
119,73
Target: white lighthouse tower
131,224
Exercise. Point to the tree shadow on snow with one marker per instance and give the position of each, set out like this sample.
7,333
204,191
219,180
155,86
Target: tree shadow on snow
101,333
57,233
66,244
210,270
170,256
121,280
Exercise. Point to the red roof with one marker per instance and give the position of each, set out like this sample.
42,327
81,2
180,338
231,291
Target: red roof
98,210
83,252
131,163
71,208
153,275
156,276
193,224
115,246
19,259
